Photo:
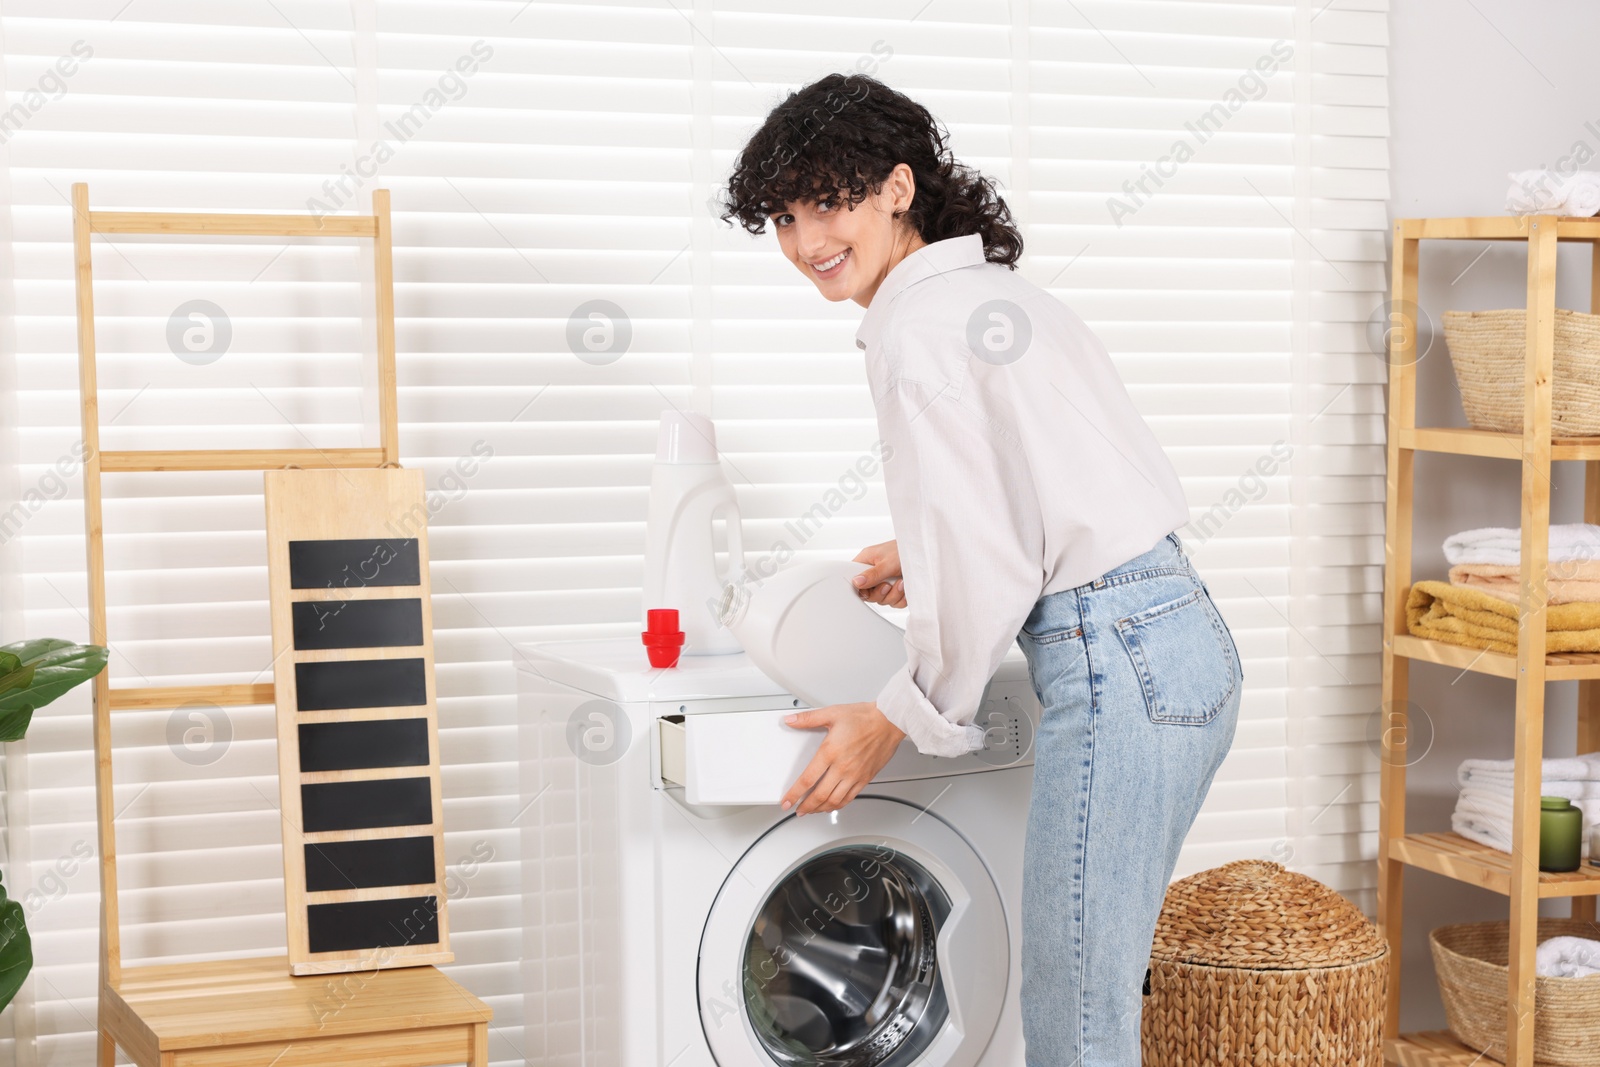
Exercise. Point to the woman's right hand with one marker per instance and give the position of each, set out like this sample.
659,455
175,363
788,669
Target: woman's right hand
883,582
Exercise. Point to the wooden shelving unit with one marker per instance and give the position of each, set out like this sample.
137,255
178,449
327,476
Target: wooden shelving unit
1515,874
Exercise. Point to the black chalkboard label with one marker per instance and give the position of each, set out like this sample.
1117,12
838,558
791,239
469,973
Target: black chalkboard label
357,623
354,563
360,683
363,805
345,746
369,864
360,924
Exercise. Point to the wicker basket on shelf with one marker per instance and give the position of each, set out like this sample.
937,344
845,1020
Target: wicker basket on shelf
1472,963
1255,964
1487,350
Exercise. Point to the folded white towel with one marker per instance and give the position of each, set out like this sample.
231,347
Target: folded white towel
1486,818
1541,192
1477,830
1494,830
1491,832
1501,788
1496,806
1503,546
1584,768
1567,957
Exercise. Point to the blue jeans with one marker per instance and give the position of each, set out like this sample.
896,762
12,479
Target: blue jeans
1140,680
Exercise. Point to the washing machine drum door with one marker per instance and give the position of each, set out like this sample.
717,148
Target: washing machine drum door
874,940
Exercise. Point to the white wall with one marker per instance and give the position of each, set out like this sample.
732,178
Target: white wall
1479,88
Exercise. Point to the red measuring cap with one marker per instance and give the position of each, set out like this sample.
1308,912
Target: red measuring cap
663,641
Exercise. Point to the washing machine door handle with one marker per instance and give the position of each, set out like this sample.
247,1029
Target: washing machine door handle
958,955
973,950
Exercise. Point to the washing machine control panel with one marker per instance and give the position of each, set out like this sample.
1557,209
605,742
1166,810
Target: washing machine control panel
1008,714
1007,724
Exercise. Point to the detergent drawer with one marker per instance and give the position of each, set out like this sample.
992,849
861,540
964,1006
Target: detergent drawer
751,757
736,757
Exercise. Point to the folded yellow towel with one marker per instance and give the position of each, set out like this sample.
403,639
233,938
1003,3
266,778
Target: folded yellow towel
1566,581
1463,615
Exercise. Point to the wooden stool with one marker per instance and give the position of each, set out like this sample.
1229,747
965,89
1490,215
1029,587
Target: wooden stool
251,1013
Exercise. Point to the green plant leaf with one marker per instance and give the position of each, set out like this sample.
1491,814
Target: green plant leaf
32,674
16,949
18,678
56,666
14,723
13,675
47,667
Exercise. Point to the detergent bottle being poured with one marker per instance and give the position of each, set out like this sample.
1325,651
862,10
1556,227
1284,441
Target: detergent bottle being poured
687,492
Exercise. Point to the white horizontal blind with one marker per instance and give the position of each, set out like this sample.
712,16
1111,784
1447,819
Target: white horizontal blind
1337,580
150,117
1240,150
185,106
543,156
1161,170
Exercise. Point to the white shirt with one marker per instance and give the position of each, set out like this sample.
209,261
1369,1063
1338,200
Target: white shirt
1015,466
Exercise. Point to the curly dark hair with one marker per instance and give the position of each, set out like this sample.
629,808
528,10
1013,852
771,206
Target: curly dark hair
841,136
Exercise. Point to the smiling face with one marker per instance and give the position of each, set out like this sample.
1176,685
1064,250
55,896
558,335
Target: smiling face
847,250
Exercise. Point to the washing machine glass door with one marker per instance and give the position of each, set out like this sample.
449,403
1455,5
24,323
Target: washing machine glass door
874,941
860,986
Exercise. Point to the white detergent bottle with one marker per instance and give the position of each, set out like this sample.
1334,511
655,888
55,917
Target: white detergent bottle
687,492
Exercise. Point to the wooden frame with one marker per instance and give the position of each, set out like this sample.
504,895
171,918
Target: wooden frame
246,1011
324,505
1516,874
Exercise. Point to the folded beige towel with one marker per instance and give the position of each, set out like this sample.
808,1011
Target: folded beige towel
1572,581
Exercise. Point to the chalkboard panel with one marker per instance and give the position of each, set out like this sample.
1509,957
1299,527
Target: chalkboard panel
359,924
363,805
354,563
346,746
369,864
360,683
357,623
347,567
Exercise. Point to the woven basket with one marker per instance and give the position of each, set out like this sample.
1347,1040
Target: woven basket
1254,964
1487,351
1471,960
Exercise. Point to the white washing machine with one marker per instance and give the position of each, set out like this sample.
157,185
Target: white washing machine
676,916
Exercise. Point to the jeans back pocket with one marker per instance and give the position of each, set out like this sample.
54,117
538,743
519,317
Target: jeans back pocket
1184,658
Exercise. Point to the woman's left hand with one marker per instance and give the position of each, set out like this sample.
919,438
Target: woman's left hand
860,741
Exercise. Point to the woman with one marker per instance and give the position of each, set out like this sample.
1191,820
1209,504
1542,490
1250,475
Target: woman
1030,503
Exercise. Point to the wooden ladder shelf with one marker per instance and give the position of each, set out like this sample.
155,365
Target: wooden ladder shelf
246,1012
1516,875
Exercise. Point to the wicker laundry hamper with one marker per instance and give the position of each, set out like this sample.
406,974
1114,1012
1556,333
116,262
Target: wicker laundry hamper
1254,964
1472,962
1488,351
